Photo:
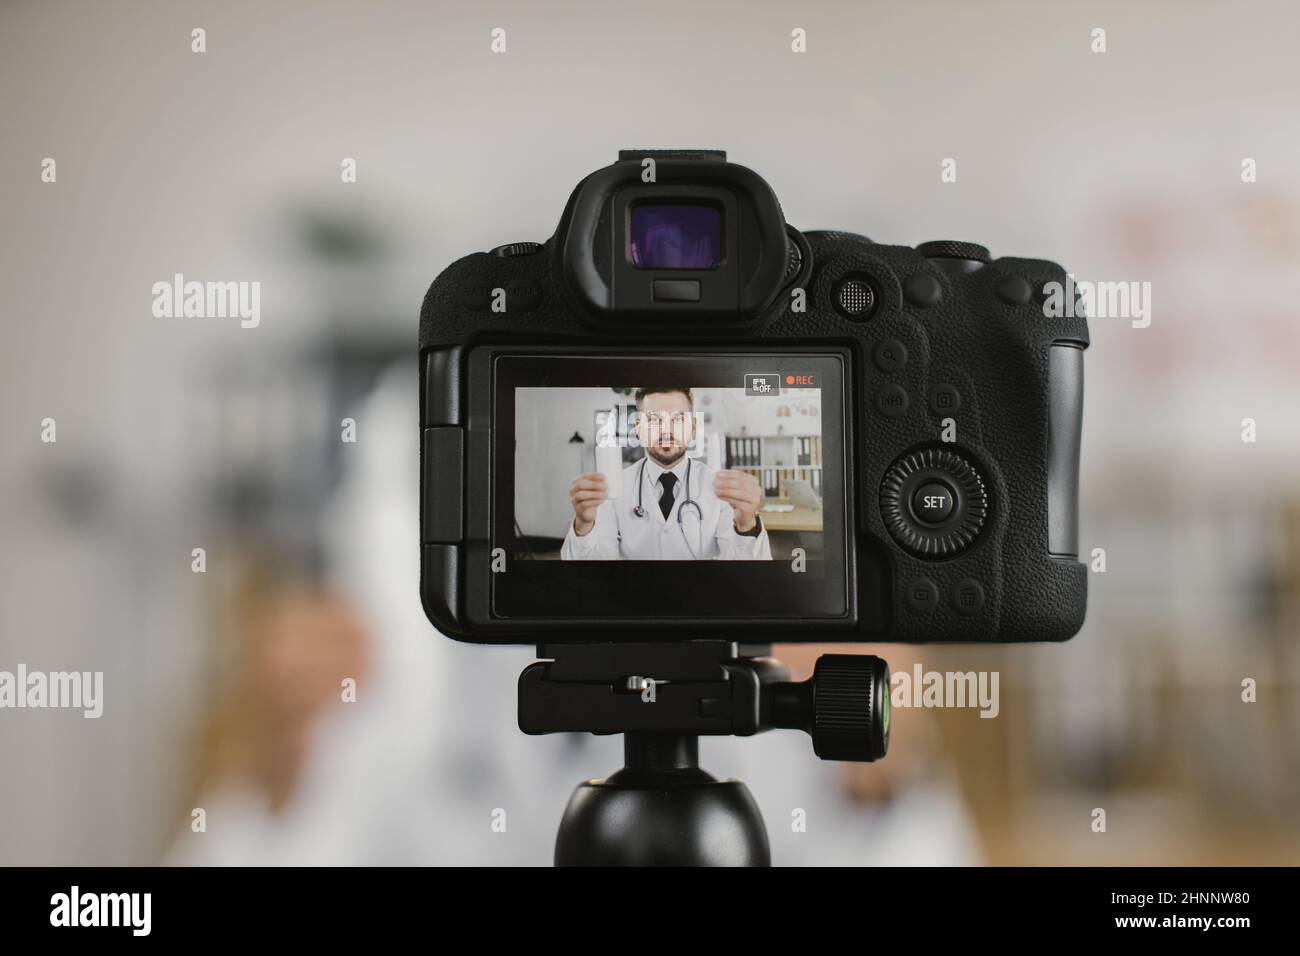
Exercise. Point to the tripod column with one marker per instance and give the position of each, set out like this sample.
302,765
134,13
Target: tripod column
643,751
661,809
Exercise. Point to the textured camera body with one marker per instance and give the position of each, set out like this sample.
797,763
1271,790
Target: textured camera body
956,381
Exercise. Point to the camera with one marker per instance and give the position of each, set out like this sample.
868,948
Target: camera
681,430
682,419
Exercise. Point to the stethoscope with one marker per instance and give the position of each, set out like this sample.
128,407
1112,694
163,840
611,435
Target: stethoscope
686,502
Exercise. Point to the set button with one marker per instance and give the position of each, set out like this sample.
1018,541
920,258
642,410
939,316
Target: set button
933,502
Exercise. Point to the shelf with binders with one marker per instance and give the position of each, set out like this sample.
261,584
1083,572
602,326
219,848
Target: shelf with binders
777,459
774,479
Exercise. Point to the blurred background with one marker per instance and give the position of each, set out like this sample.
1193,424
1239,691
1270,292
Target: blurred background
222,688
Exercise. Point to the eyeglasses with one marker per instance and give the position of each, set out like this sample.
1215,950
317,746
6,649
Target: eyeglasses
659,422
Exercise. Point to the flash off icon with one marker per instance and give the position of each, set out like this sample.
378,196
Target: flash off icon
762,383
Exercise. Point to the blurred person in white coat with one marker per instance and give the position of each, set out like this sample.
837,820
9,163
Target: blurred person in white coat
428,765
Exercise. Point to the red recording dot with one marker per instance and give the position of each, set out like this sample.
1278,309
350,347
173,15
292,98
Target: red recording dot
789,380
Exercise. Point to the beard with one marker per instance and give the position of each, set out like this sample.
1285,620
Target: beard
666,457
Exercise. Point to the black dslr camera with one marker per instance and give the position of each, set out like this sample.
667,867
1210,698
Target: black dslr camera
681,430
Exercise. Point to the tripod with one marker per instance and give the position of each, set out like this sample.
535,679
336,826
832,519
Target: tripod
661,808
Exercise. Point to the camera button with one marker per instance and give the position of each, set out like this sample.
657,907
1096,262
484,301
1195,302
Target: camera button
890,355
955,258
933,503
967,596
923,289
855,298
892,401
677,290
954,249
512,249
922,594
1015,290
944,399
933,529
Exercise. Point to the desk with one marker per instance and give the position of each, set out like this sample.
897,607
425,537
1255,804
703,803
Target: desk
801,519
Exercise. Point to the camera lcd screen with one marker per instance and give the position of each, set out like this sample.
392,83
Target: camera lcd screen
675,237
651,485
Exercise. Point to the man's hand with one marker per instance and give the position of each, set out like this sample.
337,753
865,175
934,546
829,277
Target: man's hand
587,492
742,491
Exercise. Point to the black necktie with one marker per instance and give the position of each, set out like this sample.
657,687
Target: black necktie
668,480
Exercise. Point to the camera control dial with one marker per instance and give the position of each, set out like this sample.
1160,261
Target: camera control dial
933,502
954,249
512,249
954,257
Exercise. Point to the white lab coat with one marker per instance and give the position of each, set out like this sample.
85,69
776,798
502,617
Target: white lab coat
620,535
427,764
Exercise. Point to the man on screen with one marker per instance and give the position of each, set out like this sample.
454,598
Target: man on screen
667,506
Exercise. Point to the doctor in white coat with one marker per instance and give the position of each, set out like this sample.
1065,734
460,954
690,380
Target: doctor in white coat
672,507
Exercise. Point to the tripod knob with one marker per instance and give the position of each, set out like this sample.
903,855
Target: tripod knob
844,706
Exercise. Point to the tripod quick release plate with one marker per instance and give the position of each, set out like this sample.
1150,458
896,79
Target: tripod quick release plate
713,688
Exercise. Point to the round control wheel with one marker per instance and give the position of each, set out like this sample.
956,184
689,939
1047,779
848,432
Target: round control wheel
933,502
953,249
512,249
